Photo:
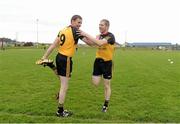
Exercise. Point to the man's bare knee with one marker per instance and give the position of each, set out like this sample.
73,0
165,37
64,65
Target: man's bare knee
96,80
107,84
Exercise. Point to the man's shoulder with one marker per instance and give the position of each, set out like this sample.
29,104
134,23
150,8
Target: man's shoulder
111,38
73,28
110,34
63,29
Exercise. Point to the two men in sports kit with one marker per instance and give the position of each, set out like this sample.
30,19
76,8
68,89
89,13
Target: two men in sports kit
66,41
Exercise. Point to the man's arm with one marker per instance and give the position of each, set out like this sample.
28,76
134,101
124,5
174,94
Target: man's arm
92,39
51,48
77,36
88,42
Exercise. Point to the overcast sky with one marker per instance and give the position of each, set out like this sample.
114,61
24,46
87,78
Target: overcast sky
131,20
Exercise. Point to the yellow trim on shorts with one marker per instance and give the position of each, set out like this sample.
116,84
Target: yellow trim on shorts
112,71
68,67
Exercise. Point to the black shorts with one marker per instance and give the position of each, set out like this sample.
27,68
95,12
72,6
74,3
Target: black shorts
64,65
102,67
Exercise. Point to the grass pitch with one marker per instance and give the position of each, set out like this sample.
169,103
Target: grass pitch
145,88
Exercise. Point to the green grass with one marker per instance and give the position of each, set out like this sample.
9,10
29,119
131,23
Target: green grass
145,88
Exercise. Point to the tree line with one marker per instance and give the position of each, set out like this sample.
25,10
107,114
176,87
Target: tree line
7,40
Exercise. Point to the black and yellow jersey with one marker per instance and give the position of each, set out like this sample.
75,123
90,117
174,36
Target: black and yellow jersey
106,51
68,41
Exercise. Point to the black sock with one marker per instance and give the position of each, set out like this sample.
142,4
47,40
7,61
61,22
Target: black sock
60,108
106,103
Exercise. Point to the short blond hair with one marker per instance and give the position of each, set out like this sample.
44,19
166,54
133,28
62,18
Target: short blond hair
107,23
